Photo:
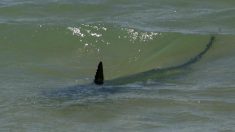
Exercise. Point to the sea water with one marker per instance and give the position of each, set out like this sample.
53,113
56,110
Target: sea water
49,51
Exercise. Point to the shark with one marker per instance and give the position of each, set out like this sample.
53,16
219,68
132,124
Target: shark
102,87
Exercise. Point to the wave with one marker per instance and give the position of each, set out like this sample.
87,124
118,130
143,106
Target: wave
74,51
154,73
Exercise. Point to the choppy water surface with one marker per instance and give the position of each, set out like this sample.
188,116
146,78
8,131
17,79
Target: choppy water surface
49,51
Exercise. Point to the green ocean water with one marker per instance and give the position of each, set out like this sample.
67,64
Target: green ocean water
49,51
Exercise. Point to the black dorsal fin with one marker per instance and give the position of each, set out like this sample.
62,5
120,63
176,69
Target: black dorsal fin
99,76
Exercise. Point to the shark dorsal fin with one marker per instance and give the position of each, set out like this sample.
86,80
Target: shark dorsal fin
99,76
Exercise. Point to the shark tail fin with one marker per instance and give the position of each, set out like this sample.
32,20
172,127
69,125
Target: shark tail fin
99,76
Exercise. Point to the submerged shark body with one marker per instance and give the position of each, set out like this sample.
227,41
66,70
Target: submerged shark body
100,87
